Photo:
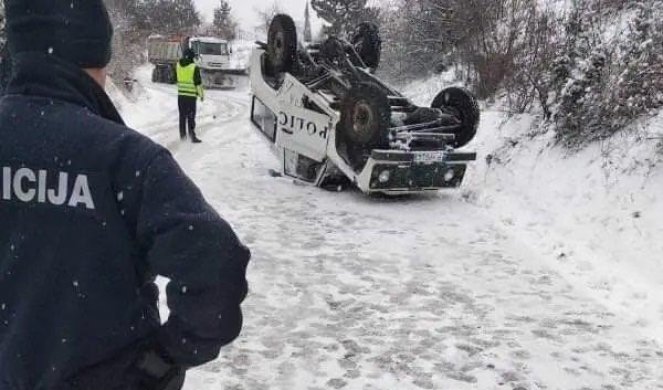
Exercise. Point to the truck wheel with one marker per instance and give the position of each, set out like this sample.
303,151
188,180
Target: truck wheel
172,75
155,75
368,44
222,80
462,104
365,119
282,44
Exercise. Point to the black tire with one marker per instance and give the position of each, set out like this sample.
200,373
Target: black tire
161,75
155,75
282,44
365,118
464,105
368,44
172,74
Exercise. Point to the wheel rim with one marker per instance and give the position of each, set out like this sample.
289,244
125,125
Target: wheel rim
363,120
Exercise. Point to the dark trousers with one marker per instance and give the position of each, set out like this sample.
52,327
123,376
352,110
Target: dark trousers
121,372
187,106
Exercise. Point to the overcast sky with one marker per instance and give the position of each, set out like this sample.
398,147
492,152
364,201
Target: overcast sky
245,10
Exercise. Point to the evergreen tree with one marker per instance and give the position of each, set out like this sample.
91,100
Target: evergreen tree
166,16
224,23
267,14
639,86
308,34
344,15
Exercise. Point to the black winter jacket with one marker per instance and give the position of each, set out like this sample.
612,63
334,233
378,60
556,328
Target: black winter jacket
90,213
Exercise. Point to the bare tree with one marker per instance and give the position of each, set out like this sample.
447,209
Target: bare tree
224,24
344,15
265,15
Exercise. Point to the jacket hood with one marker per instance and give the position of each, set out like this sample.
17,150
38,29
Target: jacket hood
186,62
37,74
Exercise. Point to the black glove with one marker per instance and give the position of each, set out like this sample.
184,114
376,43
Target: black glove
157,373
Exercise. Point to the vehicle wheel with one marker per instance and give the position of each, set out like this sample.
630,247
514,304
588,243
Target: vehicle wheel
462,104
368,44
365,117
282,44
172,74
155,75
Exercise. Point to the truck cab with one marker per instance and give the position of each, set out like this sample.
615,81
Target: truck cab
211,53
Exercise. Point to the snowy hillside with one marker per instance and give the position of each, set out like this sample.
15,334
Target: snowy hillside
595,214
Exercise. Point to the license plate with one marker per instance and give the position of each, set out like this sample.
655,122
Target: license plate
430,157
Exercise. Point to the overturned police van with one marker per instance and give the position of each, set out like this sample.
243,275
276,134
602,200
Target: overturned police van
331,120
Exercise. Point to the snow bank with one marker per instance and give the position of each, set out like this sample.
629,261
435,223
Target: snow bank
241,54
117,96
595,214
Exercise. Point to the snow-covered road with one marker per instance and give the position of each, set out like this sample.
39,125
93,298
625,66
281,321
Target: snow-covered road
427,292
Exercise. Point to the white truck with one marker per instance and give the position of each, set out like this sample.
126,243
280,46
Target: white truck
213,57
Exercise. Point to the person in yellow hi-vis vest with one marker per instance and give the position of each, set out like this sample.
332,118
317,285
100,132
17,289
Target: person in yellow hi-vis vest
189,89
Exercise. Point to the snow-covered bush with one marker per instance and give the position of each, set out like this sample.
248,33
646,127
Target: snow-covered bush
639,84
581,108
414,42
610,75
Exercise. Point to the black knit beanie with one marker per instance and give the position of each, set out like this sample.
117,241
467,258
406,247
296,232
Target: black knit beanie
77,31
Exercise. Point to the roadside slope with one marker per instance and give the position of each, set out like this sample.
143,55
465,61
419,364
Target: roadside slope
594,214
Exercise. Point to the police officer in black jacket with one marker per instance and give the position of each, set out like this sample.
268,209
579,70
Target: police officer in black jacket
90,213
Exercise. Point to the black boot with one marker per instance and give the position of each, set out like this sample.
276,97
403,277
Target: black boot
193,136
